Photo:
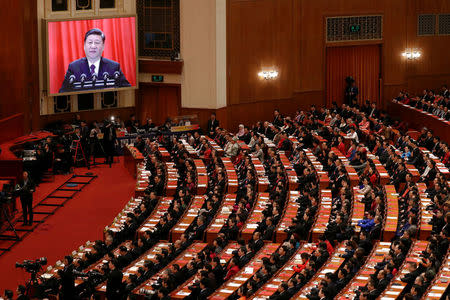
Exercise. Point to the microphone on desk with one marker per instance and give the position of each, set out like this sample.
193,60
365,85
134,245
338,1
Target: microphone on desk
105,77
82,79
71,79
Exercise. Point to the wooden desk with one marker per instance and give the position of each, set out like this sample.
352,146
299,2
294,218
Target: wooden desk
246,272
183,290
189,149
324,180
380,169
396,286
243,146
290,212
390,225
358,209
425,215
172,179
351,172
331,266
202,176
418,119
160,209
290,172
263,181
221,216
188,218
132,157
284,274
323,215
362,277
232,178
255,217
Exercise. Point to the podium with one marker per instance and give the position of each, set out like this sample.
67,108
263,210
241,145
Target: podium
94,84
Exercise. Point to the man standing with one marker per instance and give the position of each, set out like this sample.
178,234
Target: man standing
213,123
109,141
93,66
25,190
114,281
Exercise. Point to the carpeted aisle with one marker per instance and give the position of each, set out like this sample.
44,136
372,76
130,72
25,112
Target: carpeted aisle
82,218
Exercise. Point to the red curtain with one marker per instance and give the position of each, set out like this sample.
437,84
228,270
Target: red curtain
360,62
66,44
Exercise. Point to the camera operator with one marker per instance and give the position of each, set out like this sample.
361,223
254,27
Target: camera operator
25,190
114,282
67,279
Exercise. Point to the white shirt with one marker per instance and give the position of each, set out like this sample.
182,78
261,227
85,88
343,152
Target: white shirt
353,136
96,64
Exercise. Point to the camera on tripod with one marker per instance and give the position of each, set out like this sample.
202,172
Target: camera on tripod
32,266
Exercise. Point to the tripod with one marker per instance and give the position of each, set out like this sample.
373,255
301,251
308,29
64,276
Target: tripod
33,282
96,147
11,226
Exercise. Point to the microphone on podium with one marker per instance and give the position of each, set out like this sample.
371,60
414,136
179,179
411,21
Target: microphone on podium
105,77
83,79
71,79
94,79
116,77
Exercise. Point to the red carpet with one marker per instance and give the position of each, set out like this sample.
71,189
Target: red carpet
81,219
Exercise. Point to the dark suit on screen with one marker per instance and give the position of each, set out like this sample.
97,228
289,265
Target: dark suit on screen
81,66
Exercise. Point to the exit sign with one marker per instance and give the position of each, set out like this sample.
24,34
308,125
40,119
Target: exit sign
355,28
157,78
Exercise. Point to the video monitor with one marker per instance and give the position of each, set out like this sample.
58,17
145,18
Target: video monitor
90,55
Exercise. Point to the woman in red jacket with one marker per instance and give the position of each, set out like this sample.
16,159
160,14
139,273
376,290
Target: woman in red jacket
232,269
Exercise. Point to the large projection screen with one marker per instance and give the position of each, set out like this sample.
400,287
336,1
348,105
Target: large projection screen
91,55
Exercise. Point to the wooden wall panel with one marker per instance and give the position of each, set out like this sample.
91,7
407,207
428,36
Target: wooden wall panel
158,101
301,52
18,65
89,116
259,38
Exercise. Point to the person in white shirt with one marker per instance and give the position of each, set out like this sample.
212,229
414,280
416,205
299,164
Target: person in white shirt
353,135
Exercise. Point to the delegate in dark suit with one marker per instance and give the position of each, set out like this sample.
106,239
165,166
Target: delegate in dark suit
25,191
81,66
93,64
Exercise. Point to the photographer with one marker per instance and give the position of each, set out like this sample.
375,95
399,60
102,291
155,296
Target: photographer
109,141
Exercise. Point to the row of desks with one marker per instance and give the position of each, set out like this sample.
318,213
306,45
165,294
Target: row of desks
202,176
255,217
380,169
119,221
232,177
331,266
441,282
290,212
147,287
246,272
324,180
225,256
188,218
425,215
158,212
290,172
362,277
323,215
263,181
439,165
357,209
391,222
351,172
396,286
284,274
221,217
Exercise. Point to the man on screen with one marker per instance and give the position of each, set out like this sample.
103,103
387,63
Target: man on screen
93,67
